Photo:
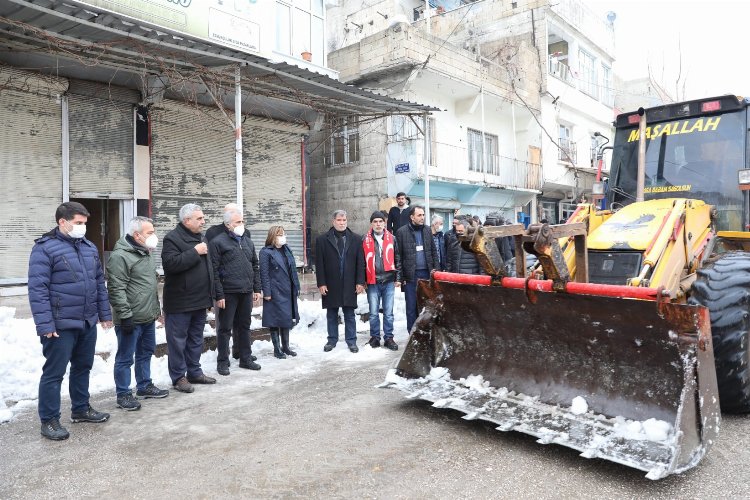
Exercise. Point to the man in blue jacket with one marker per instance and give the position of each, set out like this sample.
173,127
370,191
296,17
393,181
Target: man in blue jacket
67,297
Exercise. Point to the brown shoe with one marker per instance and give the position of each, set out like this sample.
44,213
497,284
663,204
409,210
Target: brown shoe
183,385
202,379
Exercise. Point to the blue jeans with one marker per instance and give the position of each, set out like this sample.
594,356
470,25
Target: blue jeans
141,344
185,343
378,293
350,326
77,348
410,289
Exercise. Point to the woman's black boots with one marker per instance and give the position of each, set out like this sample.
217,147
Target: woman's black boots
285,343
277,351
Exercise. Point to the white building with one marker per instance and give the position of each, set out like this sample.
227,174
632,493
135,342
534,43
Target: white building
522,88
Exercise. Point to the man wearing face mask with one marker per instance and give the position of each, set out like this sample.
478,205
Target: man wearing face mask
188,292
132,281
236,285
68,297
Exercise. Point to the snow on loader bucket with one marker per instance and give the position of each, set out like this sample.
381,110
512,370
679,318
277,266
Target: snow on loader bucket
609,370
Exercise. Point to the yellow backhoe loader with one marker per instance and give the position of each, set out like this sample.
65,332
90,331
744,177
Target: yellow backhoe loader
632,331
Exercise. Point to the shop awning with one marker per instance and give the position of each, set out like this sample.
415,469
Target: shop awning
74,40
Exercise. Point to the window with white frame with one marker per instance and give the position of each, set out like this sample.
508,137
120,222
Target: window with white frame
566,210
607,93
587,73
343,144
567,149
300,28
594,147
483,158
404,128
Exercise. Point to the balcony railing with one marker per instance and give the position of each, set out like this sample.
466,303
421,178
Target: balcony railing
451,161
561,71
568,151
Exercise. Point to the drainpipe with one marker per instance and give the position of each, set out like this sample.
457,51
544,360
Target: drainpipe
304,203
238,135
65,150
641,179
426,161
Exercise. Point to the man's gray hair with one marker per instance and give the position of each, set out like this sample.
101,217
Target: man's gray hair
436,218
187,210
338,213
228,215
136,224
231,206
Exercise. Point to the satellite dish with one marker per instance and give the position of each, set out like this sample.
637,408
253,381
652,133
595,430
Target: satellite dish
611,16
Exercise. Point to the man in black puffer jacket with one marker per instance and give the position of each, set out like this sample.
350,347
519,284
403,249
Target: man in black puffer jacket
417,257
188,283
236,276
460,260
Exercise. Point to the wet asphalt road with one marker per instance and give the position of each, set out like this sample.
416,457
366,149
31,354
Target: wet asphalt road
331,435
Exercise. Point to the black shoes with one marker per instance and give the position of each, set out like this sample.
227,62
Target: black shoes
223,368
374,342
203,379
90,415
353,348
249,365
51,429
127,402
328,347
151,391
391,344
183,385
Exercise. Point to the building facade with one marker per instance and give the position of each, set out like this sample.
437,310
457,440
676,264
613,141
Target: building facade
513,134
132,116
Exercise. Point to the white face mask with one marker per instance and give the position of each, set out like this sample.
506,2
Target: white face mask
151,242
439,229
281,240
77,231
239,230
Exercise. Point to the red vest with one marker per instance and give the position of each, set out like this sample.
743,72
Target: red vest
389,255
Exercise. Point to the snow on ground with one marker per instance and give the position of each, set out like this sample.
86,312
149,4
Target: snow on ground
21,357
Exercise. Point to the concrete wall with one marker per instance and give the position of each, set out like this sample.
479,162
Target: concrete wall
356,187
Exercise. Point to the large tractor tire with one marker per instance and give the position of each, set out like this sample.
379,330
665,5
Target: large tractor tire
723,286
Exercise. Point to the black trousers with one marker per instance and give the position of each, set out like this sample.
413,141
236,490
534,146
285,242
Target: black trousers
236,313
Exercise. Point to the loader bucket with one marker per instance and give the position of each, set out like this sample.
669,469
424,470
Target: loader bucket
624,379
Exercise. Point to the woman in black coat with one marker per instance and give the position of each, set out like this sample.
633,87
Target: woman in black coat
278,277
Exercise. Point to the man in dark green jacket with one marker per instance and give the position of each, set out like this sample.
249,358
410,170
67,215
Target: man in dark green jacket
135,307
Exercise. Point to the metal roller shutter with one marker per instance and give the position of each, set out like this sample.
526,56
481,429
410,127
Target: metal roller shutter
192,161
272,180
30,175
101,147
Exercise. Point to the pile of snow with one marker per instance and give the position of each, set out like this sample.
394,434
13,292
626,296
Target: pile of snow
21,357
648,430
476,383
579,406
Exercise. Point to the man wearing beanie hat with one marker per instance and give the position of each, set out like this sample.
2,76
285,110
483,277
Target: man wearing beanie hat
382,271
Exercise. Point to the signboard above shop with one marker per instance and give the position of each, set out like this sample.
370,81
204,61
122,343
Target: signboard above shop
243,25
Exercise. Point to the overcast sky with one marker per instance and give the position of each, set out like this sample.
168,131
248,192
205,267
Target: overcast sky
713,36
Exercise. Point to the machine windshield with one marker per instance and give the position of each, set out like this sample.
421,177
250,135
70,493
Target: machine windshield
688,158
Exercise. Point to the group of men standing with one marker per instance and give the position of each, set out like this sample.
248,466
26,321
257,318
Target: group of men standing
68,297
348,264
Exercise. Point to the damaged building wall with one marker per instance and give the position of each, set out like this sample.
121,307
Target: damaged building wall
357,187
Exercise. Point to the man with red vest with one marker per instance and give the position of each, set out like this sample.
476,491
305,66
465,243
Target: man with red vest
383,275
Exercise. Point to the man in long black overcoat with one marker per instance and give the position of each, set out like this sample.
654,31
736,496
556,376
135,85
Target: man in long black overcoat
340,273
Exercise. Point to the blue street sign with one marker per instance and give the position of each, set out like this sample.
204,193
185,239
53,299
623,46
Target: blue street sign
402,168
